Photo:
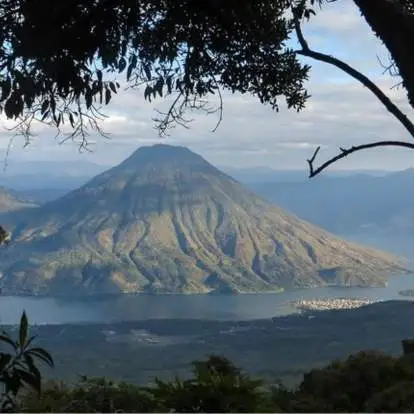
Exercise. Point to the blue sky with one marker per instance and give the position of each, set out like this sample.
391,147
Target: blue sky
340,112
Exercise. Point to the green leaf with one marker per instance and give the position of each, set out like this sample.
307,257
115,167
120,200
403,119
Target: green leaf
41,354
19,106
121,65
159,86
45,106
30,340
31,365
147,93
88,98
112,87
4,360
45,115
53,105
71,120
169,84
30,379
9,108
24,326
134,61
13,383
132,66
107,96
129,72
5,89
99,75
6,338
147,71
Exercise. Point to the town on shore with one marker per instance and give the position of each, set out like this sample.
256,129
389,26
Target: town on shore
331,304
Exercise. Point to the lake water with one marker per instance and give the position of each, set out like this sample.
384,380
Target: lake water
238,307
141,307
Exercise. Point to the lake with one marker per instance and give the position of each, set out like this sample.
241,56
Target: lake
43,310
115,308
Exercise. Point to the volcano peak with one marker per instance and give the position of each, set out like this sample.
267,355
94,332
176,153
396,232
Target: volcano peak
165,220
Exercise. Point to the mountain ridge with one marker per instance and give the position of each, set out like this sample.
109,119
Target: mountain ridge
167,221
11,200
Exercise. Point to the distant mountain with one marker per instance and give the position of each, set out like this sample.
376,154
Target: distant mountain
260,174
254,175
11,201
44,195
361,202
167,221
64,175
78,168
38,181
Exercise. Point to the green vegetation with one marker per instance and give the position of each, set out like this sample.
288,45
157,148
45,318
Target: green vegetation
167,221
363,382
19,369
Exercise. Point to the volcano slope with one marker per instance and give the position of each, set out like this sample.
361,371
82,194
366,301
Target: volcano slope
167,221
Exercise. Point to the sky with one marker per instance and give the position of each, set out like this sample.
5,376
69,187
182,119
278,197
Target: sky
340,112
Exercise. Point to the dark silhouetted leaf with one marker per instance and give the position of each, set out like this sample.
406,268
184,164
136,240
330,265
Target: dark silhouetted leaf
30,379
88,98
45,115
45,106
122,64
107,96
112,87
99,75
5,89
6,338
41,354
4,360
147,71
23,330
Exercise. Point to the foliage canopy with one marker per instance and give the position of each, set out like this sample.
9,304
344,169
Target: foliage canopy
60,71
65,71
364,382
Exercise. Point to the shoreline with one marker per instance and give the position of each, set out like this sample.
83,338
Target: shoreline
210,293
332,304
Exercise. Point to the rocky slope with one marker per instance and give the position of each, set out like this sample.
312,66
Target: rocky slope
12,201
165,220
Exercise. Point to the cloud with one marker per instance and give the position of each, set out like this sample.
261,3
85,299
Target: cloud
341,18
340,112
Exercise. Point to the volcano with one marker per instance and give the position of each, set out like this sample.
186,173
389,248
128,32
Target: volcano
167,221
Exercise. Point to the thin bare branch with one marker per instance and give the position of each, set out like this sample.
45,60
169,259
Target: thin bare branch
220,107
345,152
6,158
391,68
388,104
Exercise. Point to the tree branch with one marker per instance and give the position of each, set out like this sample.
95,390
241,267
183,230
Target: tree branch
389,105
345,152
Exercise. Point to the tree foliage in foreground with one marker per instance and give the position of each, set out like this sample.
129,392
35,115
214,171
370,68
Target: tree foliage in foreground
20,367
65,71
61,70
364,382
